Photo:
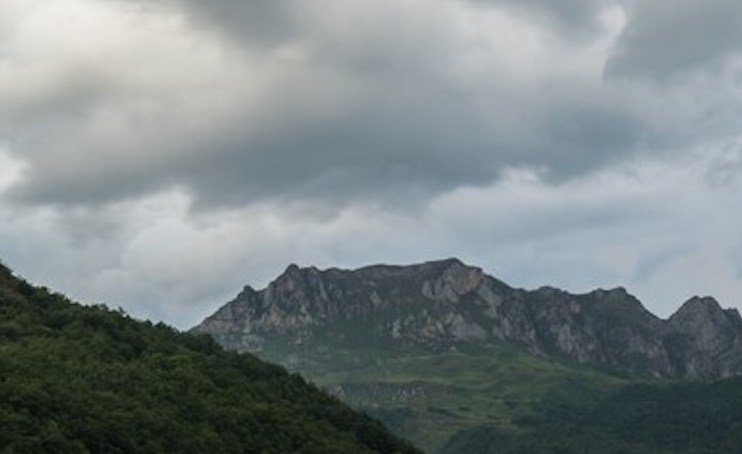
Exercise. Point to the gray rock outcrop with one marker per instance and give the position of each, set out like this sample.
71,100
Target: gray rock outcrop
439,305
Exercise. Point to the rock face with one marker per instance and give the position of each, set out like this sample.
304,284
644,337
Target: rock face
439,305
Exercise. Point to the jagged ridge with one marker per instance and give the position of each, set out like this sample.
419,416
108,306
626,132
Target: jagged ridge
437,305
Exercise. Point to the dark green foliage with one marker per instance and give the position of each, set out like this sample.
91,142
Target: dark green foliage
427,398
687,418
89,379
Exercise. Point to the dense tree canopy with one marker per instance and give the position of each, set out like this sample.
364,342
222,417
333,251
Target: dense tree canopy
660,417
80,379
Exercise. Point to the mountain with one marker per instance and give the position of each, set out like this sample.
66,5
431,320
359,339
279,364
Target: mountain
88,379
443,353
439,305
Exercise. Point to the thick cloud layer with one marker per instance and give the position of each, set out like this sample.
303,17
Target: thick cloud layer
314,99
243,101
158,154
666,37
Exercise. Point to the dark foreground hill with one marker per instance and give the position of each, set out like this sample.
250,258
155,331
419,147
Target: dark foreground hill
88,379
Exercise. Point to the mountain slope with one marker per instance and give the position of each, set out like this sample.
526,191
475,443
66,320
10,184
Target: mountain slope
440,349
438,305
87,379
668,418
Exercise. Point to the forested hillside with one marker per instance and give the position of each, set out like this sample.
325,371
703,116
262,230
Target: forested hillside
651,418
89,379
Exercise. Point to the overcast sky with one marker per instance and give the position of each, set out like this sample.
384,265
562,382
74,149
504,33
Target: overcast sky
160,154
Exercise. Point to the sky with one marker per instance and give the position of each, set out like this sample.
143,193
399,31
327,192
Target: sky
158,155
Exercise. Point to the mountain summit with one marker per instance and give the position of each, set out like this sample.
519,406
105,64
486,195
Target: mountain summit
440,305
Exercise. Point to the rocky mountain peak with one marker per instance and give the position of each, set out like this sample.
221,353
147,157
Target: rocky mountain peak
733,315
437,305
462,278
296,284
291,269
295,273
618,302
453,280
619,292
703,317
707,338
698,306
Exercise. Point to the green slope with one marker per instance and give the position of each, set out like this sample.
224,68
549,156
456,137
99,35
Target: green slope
501,399
430,397
87,379
654,418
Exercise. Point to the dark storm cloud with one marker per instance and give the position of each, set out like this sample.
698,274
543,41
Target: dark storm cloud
411,140
277,21
261,22
664,37
570,15
353,105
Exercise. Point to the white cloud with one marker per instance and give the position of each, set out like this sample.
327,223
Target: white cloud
11,170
